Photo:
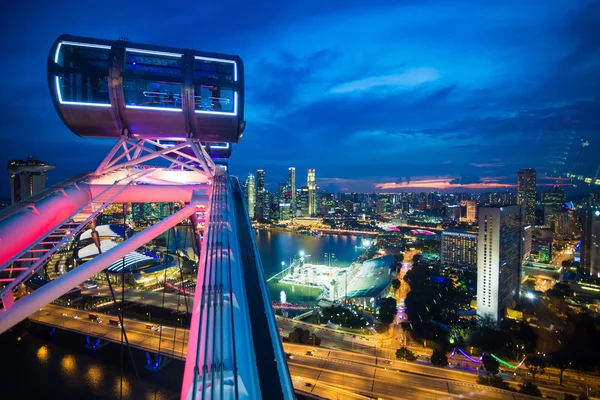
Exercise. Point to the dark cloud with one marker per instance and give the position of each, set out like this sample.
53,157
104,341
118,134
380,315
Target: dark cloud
356,90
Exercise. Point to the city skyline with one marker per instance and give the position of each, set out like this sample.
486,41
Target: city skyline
402,113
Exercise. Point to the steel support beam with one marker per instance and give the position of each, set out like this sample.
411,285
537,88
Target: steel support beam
29,304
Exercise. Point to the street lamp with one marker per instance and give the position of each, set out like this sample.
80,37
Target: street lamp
282,264
301,253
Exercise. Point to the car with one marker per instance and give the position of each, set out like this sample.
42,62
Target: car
289,356
309,353
76,316
388,362
64,314
308,384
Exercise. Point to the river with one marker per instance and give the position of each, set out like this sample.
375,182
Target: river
40,365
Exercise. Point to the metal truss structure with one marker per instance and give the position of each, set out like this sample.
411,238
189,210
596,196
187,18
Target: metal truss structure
234,349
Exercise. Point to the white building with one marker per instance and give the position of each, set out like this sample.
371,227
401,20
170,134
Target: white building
498,260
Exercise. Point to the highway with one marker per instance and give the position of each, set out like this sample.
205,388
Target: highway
171,341
326,371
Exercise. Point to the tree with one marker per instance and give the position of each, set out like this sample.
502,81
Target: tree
405,354
387,310
439,358
530,389
491,365
569,396
525,337
560,360
536,365
416,258
396,284
314,340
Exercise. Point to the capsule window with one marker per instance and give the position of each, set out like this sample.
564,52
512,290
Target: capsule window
83,73
214,70
152,79
214,98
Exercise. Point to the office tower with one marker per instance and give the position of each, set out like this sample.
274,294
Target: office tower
28,177
251,194
459,248
260,194
526,194
303,199
292,184
526,242
498,259
590,242
552,202
562,225
312,192
471,211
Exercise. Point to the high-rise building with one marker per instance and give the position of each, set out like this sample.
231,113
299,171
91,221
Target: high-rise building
552,201
590,242
292,185
28,177
251,194
526,194
303,198
498,259
259,210
312,192
470,210
459,248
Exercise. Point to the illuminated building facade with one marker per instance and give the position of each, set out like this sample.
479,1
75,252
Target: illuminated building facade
28,177
312,192
251,194
260,208
459,248
526,194
498,259
552,201
292,184
590,242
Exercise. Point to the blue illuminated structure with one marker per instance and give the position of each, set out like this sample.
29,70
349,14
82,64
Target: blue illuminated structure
105,89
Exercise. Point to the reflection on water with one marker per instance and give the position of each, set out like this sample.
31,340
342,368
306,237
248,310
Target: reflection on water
61,365
122,388
43,354
94,377
68,364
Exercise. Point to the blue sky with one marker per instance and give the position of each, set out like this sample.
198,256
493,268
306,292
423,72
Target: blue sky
387,95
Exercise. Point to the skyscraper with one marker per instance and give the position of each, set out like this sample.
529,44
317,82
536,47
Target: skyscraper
251,194
470,210
590,242
526,194
260,194
498,259
312,192
552,201
28,177
292,184
459,248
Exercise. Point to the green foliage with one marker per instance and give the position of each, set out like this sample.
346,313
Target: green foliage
560,360
536,365
439,358
543,256
303,336
405,354
387,310
396,284
530,389
491,365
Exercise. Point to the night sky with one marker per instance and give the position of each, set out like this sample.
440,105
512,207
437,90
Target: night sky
402,95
